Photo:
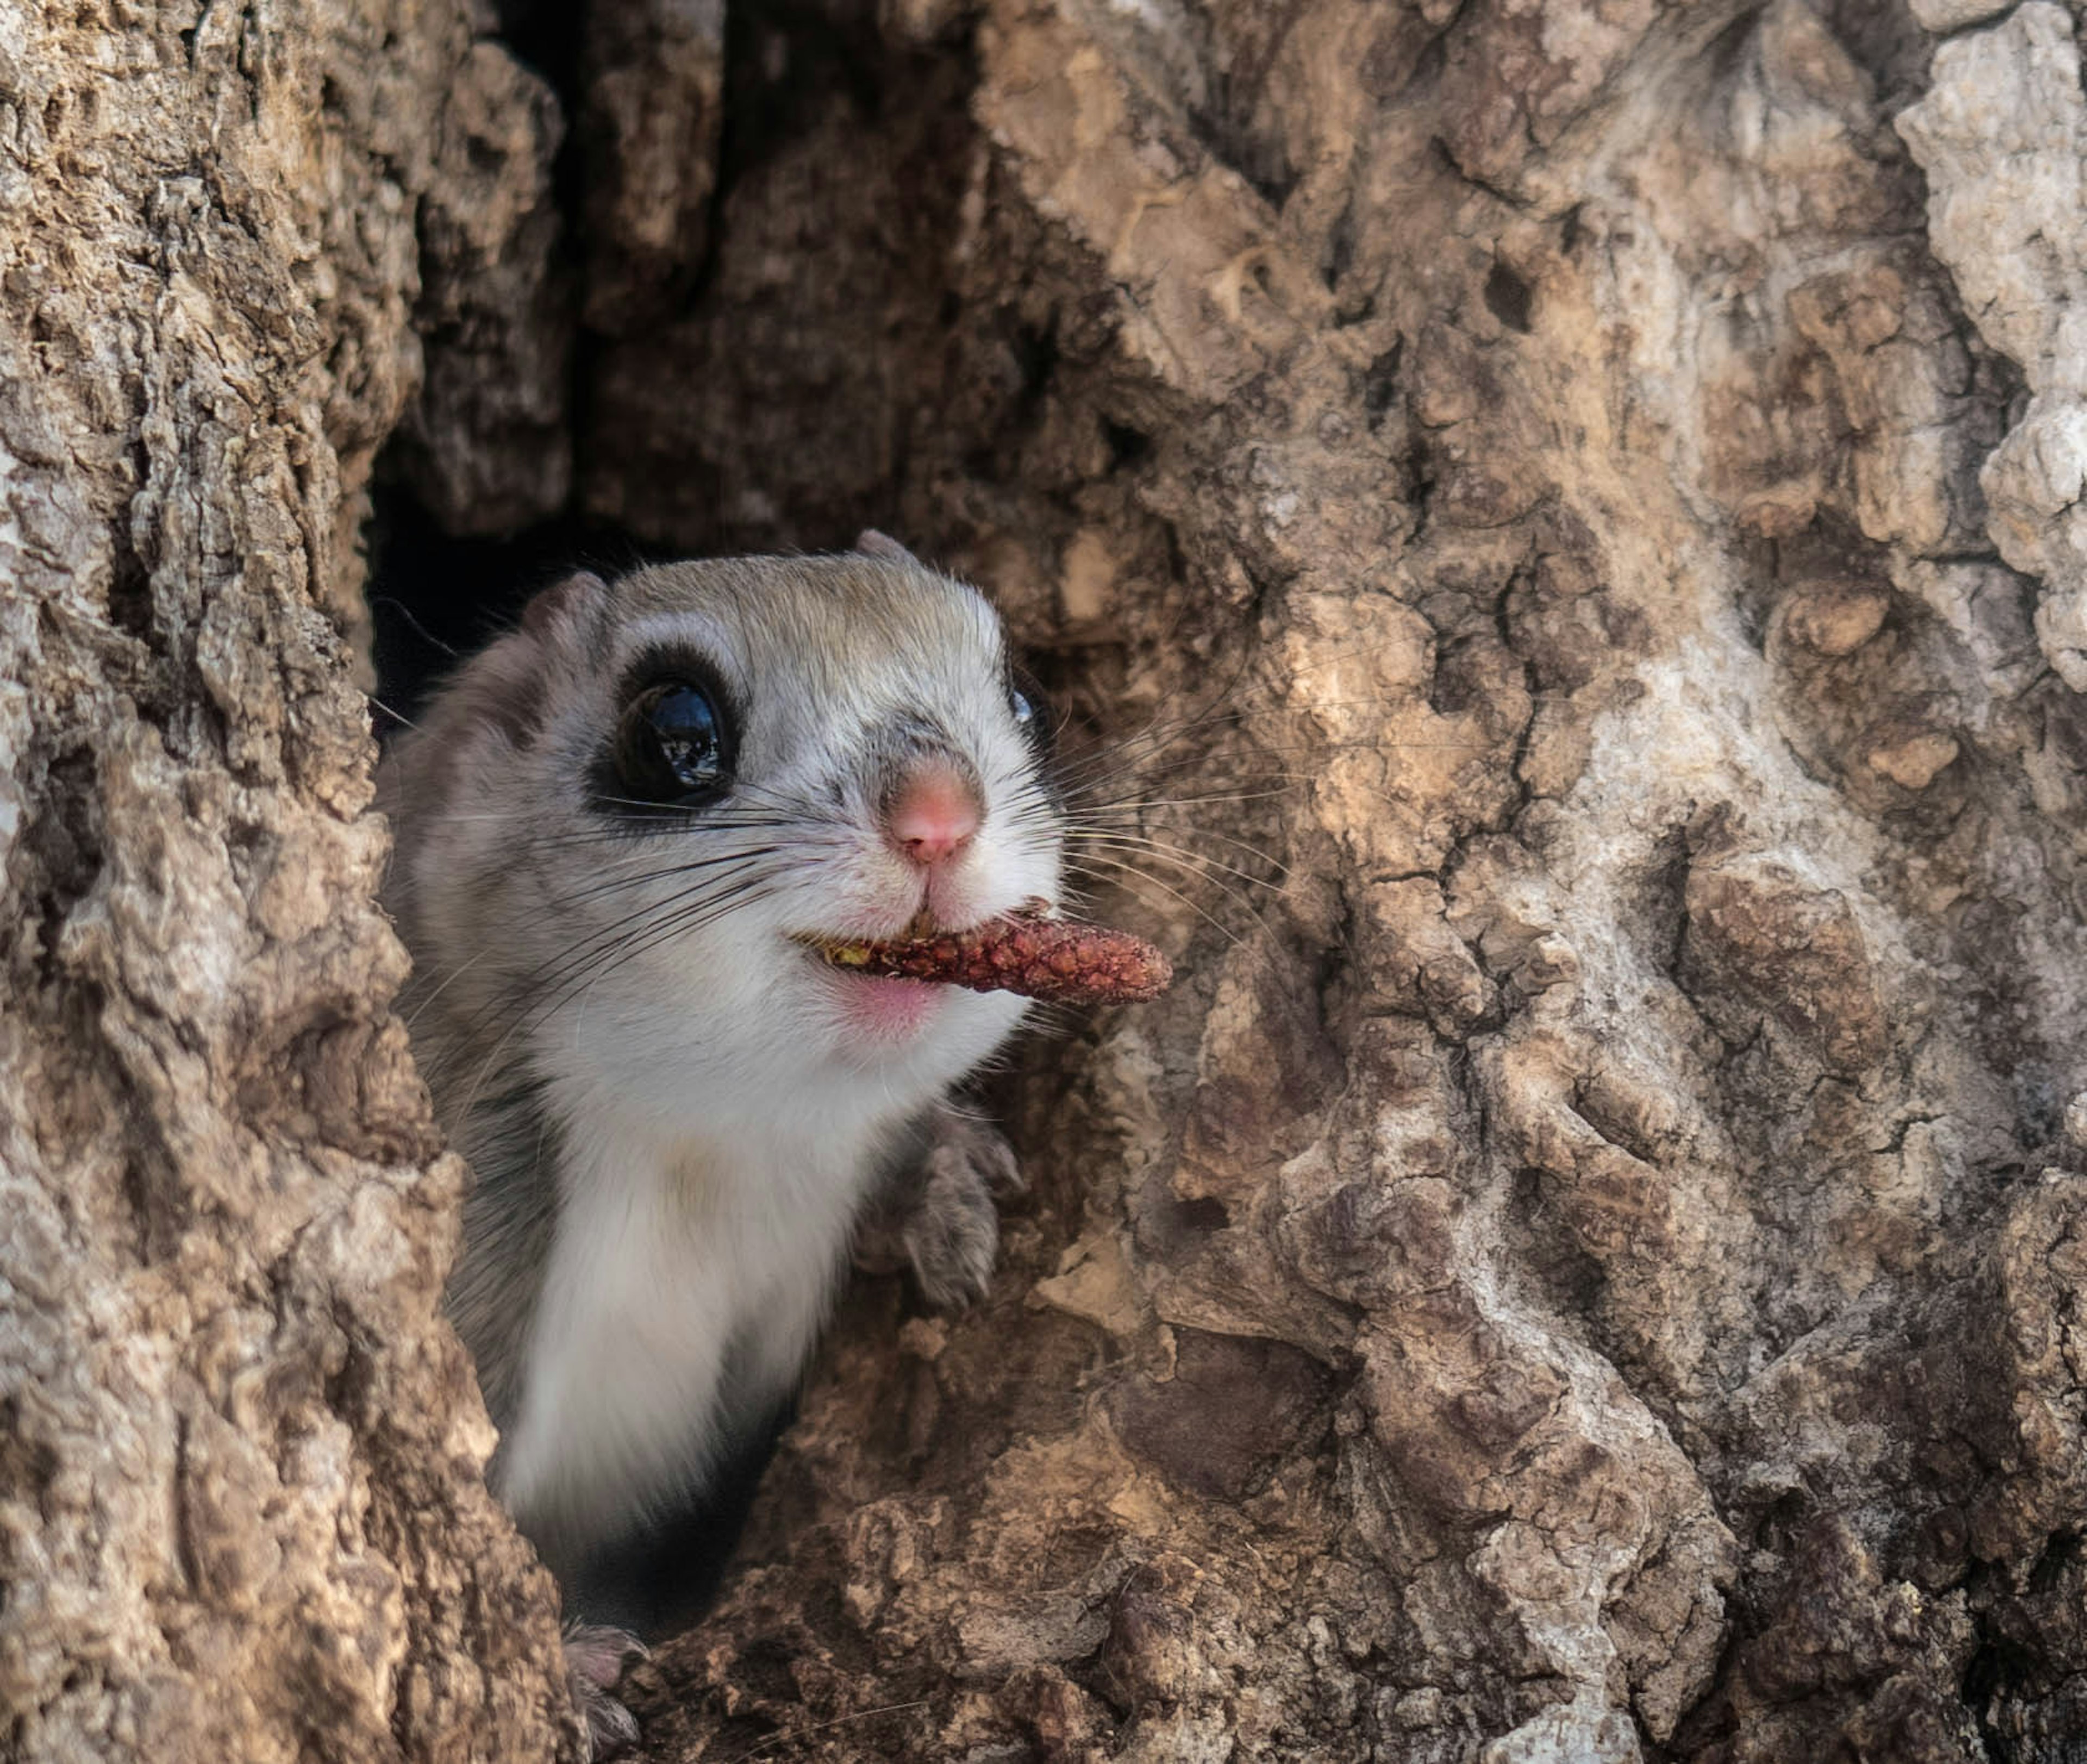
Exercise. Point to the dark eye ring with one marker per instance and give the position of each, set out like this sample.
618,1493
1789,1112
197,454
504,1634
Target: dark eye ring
673,745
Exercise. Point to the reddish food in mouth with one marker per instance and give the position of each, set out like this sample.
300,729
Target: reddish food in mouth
1053,960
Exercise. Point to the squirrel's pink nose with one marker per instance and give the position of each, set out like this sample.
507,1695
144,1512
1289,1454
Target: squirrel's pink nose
932,814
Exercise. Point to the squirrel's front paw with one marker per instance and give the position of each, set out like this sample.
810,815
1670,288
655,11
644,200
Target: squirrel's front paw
596,1656
935,1213
952,1236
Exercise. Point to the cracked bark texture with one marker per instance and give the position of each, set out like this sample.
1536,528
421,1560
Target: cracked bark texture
1588,1269
242,1511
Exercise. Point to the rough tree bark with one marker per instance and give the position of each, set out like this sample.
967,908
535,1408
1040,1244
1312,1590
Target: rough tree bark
242,1516
1587,1268
1588,1272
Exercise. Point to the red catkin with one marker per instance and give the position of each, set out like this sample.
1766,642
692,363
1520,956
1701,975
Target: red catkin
1053,960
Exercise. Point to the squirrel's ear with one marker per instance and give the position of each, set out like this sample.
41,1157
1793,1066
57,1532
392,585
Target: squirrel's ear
572,602
872,543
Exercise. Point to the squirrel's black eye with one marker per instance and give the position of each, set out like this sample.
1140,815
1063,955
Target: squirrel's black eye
671,746
1026,704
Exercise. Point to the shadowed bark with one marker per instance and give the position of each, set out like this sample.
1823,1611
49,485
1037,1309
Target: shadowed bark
1567,515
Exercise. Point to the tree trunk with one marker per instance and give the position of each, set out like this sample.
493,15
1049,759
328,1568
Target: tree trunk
1584,1265
242,1511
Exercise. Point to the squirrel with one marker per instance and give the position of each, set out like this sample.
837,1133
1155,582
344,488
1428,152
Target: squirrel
615,827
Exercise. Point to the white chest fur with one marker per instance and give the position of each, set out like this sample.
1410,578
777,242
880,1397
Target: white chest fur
684,1280
617,825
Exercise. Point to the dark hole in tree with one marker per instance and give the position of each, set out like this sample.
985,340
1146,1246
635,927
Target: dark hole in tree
2060,1554
435,598
1127,446
1508,298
